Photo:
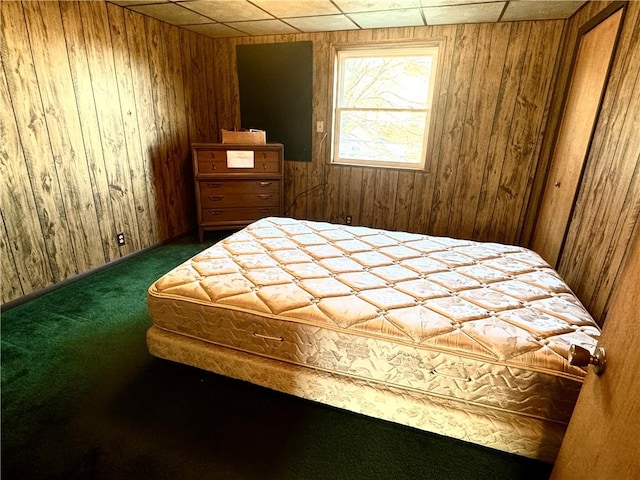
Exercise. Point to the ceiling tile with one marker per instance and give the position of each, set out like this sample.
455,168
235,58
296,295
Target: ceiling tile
227,10
352,6
215,30
391,18
171,13
540,10
264,27
288,8
325,23
473,13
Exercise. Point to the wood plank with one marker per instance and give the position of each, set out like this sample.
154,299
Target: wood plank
501,127
524,136
461,70
332,193
367,201
421,202
185,217
11,286
105,89
49,52
404,199
351,194
144,94
136,161
25,266
92,142
489,63
165,167
30,119
386,184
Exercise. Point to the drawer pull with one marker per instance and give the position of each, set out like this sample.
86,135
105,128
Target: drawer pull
265,184
264,166
264,210
216,212
215,198
268,337
214,185
213,166
264,197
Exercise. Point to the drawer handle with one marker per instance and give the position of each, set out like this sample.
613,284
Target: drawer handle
216,212
214,185
264,166
215,198
264,210
265,184
264,197
268,337
213,165
448,375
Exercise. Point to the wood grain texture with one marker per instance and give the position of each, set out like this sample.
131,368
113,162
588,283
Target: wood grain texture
579,116
602,437
25,267
495,91
488,157
42,179
95,136
608,205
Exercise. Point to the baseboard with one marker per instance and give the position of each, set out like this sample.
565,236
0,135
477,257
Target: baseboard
43,291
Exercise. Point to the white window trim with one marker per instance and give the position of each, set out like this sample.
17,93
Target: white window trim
430,47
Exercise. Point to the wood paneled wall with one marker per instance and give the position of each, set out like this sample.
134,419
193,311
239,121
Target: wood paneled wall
606,216
98,107
490,118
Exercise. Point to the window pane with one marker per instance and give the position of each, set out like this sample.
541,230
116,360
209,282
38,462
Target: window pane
381,135
386,82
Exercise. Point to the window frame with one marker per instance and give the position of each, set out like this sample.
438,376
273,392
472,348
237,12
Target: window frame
431,47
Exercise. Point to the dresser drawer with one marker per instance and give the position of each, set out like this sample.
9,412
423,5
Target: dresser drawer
237,214
226,187
240,200
215,161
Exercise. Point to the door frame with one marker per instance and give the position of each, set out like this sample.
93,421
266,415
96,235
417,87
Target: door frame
585,28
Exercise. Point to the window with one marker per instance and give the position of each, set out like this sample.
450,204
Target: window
382,105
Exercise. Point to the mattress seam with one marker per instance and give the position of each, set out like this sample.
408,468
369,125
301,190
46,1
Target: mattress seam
360,334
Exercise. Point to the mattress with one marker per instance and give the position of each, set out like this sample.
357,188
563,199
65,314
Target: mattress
479,329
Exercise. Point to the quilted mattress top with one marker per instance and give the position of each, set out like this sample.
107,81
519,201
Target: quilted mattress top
488,301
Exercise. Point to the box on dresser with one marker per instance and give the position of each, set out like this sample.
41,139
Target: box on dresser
237,184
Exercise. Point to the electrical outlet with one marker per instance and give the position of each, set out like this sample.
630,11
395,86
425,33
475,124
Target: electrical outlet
319,126
120,237
348,220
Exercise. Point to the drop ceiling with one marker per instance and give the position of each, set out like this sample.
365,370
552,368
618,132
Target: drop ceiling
233,18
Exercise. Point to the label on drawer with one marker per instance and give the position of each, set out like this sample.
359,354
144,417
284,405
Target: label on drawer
240,159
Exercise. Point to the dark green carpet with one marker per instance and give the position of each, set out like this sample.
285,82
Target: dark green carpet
82,399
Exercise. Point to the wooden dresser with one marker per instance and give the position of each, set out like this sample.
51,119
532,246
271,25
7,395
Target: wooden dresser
237,184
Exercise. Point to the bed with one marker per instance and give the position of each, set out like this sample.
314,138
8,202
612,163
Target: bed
460,338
